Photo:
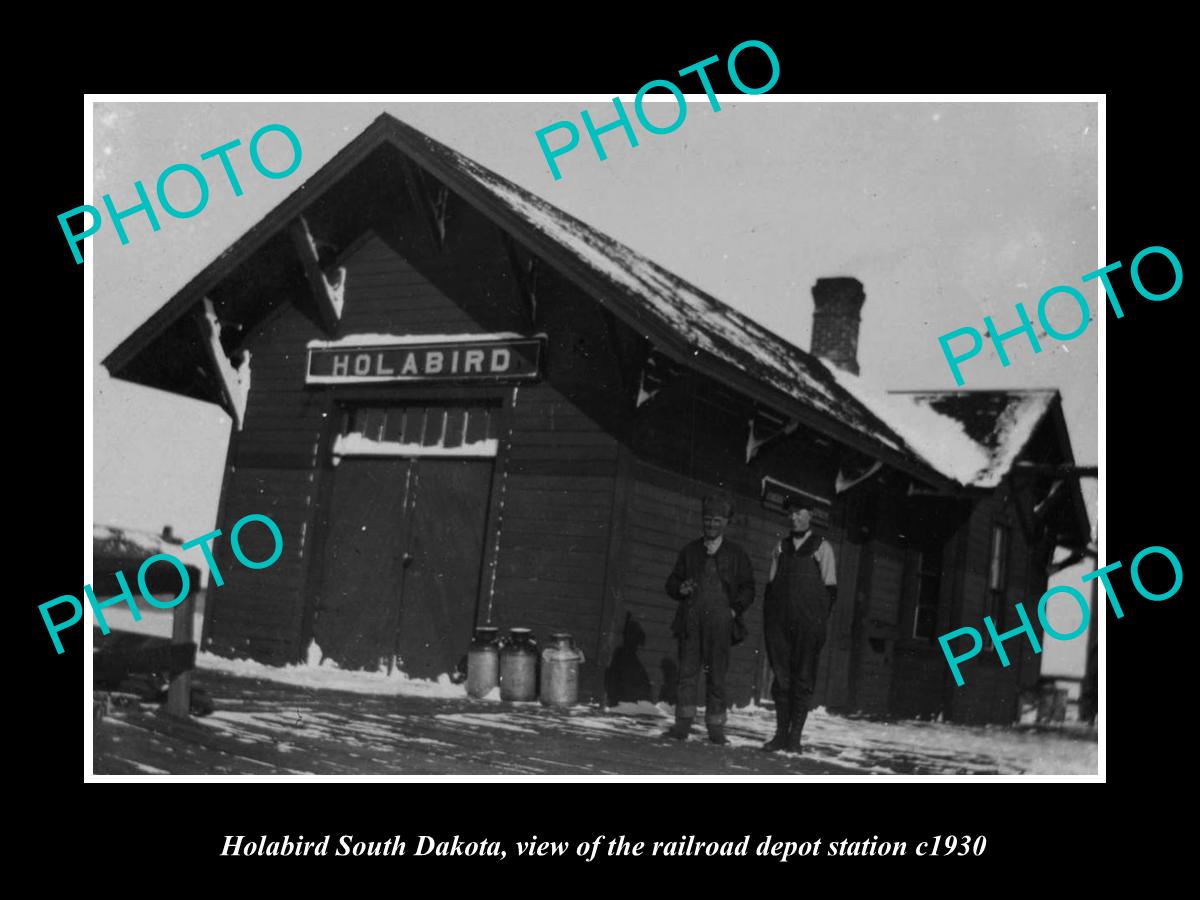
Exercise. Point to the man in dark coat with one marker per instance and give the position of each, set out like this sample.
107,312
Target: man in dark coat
800,594
713,582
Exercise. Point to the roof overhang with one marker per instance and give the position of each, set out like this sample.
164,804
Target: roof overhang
182,309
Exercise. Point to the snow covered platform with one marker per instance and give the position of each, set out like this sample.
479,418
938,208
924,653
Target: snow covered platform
268,727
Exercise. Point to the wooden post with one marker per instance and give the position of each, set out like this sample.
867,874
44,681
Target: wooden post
179,694
1089,690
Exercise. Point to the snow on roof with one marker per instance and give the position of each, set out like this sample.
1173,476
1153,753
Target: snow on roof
110,543
653,298
1000,422
704,322
663,303
941,441
973,437
131,541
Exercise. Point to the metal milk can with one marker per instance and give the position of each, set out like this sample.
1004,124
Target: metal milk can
560,671
483,662
518,666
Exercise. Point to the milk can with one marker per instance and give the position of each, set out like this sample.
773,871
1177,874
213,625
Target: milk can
560,671
518,666
483,662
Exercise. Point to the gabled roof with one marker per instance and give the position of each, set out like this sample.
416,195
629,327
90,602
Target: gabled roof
1011,428
977,438
682,321
945,438
1000,422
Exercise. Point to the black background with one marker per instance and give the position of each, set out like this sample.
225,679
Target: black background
178,830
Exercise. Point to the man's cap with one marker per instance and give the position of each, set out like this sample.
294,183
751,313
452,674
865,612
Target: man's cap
791,504
719,504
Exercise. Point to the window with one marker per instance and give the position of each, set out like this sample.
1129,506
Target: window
418,430
929,588
997,587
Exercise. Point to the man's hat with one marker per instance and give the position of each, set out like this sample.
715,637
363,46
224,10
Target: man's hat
791,503
719,504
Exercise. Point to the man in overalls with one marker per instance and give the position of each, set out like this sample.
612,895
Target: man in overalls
713,582
799,599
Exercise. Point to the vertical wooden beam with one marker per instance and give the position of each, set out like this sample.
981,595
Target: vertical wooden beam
504,415
179,693
222,551
318,529
955,588
612,602
1089,692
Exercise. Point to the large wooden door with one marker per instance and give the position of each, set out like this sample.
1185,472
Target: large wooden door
406,538
447,518
359,606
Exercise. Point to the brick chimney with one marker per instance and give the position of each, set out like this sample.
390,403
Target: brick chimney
836,305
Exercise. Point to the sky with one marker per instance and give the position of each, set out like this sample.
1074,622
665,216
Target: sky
945,211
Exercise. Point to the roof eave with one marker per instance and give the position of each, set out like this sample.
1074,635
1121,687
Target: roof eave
387,129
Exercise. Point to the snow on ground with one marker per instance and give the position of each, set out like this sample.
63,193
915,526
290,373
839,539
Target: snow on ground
875,747
883,748
892,746
313,674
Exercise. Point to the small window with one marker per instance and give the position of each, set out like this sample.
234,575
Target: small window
998,568
418,430
997,588
929,589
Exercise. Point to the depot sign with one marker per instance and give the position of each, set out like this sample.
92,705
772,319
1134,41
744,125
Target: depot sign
464,361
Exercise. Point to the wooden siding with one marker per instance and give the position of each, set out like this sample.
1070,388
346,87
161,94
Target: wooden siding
990,692
557,483
280,453
663,516
256,613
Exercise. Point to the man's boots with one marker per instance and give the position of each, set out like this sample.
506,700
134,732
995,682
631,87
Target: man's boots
716,734
681,729
793,741
782,722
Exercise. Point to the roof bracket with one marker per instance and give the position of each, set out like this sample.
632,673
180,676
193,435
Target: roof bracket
330,296
655,374
525,273
765,427
233,382
439,203
848,479
1044,506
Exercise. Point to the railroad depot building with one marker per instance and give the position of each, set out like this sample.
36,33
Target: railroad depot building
463,406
